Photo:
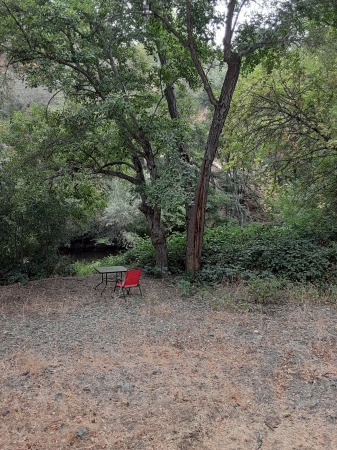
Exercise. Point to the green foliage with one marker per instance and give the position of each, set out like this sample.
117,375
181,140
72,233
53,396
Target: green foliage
84,269
185,287
266,250
319,11
176,252
120,222
266,257
266,290
32,226
39,209
142,254
309,211
287,121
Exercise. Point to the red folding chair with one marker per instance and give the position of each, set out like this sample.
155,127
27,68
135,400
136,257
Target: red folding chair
131,280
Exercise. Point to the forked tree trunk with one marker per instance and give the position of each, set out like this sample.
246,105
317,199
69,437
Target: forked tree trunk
196,223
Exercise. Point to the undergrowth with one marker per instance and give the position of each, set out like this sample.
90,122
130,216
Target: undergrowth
258,251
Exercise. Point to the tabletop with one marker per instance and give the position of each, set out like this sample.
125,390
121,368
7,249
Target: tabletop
111,269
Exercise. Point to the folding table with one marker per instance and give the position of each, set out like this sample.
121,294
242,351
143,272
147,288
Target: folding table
117,271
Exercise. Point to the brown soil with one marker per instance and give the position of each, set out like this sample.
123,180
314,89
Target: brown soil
85,371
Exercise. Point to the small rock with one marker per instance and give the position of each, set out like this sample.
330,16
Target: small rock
178,345
82,432
272,422
332,417
5,412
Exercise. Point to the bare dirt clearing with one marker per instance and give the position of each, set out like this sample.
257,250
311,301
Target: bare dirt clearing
85,371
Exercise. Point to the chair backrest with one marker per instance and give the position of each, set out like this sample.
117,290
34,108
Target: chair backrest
132,277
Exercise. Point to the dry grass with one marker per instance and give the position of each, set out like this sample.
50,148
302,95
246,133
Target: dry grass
163,372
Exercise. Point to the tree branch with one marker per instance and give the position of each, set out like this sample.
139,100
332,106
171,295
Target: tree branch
17,23
195,58
116,173
238,14
227,40
190,46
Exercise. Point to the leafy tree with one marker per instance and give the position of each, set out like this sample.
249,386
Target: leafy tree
38,209
89,50
121,222
288,124
265,35
321,12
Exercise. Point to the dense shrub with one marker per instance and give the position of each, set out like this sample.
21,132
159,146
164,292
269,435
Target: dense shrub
142,254
176,252
256,251
264,290
31,233
266,250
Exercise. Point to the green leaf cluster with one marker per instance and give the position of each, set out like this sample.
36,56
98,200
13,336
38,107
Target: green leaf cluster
41,205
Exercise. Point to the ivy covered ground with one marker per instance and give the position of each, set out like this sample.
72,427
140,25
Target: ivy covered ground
177,369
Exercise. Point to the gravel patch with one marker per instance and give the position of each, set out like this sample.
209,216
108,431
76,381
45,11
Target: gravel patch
84,370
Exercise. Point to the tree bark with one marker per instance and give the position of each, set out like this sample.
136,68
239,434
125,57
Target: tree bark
153,217
171,101
157,235
196,225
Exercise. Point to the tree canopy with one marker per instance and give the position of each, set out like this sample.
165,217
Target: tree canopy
123,70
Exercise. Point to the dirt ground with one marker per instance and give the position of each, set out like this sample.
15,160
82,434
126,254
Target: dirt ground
80,370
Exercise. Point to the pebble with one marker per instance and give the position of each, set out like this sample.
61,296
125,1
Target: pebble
82,432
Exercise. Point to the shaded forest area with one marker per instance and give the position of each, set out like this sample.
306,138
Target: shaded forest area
132,126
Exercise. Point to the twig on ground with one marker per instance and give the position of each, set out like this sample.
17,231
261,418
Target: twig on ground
259,441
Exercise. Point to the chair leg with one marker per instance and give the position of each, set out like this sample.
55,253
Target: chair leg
140,290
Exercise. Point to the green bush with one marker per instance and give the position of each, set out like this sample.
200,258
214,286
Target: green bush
251,253
142,254
266,290
176,244
266,250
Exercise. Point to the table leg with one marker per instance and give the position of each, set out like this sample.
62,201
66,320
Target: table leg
100,282
106,282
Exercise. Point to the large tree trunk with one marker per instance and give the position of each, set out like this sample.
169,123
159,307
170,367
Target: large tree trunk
158,240
157,235
196,224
